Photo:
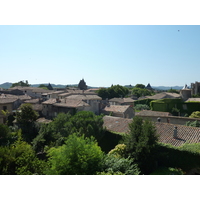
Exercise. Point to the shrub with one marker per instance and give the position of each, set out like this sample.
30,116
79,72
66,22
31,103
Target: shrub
79,155
117,165
141,107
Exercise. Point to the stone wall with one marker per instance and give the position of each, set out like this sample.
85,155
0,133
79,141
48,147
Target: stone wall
172,119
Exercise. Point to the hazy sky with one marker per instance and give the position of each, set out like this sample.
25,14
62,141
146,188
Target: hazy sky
102,55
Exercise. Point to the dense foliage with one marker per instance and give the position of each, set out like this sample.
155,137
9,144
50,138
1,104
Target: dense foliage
139,92
141,143
26,118
19,158
195,114
193,124
113,91
141,107
79,155
78,144
21,83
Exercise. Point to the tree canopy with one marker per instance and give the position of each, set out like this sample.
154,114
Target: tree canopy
141,86
141,141
140,92
21,83
79,155
113,91
195,114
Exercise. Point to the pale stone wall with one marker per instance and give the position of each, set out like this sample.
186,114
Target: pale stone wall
172,119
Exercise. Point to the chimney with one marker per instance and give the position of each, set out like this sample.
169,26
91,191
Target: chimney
175,132
158,119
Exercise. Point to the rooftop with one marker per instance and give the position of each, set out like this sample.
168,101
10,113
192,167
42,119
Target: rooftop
122,100
164,130
164,95
116,108
84,97
7,100
153,113
193,99
71,103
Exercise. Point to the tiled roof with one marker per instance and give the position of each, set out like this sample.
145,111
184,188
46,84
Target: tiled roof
71,103
122,100
116,124
164,95
193,99
10,96
116,108
84,97
58,92
128,100
63,94
7,100
33,89
41,90
37,107
32,101
152,113
164,130
119,100
21,88
185,134
50,101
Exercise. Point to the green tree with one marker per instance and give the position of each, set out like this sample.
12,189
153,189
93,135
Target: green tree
112,164
173,91
43,86
79,155
87,123
175,111
103,93
141,107
140,86
26,118
55,132
140,92
52,134
141,142
195,114
21,83
113,91
20,159
193,124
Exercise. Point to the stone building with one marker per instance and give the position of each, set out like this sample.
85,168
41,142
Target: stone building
195,87
185,93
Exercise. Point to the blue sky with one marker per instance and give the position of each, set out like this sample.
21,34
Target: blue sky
102,55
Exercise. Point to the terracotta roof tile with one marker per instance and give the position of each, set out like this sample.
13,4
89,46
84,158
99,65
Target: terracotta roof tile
71,103
152,113
7,100
165,131
116,108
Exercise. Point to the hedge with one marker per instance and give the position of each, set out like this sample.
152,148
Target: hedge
185,157
166,105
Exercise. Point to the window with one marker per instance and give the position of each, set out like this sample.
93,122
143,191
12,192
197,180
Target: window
4,108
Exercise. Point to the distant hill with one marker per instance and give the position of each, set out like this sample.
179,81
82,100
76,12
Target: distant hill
53,85
167,87
6,85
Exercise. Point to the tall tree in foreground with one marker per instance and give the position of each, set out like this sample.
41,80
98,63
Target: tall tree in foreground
26,118
141,142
